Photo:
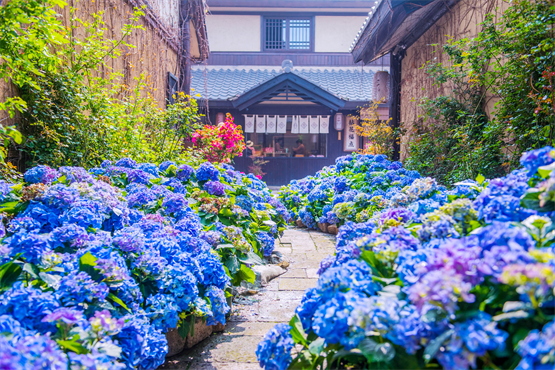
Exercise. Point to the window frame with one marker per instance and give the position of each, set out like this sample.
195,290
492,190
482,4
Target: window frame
288,18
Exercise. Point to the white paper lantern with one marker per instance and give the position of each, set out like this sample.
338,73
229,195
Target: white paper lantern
339,122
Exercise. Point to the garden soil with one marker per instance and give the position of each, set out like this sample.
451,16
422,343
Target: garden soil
255,315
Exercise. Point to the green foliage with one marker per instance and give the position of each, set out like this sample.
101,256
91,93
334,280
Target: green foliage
512,59
76,110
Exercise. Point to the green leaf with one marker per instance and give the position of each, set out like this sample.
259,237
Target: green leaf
183,328
226,212
516,305
297,331
232,264
9,273
220,246
117,300
317,346
376,352
480,179
72,346
247,274
250,258
87,263
434,346
520,314
52,281
31,270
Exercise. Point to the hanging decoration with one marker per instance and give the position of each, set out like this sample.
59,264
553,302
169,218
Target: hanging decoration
324,124
303,124
295,125
260,124
249,123
271,124
314,124
281,124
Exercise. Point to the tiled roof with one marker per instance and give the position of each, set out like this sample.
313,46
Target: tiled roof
227,83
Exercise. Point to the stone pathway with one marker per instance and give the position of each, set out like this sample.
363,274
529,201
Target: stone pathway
235,347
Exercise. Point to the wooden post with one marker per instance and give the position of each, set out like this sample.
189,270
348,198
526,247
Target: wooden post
185,54
395,99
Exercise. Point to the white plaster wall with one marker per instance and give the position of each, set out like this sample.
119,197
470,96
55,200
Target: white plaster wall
233,32
335,34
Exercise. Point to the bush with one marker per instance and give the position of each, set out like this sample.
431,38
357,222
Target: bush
70,114
456,279
96,266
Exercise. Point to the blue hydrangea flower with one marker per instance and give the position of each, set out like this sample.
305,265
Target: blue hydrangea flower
165,165
274,352
78,287
142,344
174,203
219,306
213,271
163,311
126,162
138,176
184,172
41,174
207,172
28,306
150,168
267,241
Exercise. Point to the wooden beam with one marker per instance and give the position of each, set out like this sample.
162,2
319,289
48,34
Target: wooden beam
292,3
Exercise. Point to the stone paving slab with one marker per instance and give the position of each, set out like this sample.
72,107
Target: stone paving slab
295,273
297,284
312,273
252,317
282,310
248,328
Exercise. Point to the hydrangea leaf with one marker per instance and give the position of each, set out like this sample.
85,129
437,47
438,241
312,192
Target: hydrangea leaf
247,274
376,352
317,346
297,331
434,345
115,299
9,272
73,346
251,258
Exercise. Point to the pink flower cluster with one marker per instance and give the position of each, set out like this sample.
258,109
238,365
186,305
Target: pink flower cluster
222,143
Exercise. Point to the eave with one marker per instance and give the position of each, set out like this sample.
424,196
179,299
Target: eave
397,23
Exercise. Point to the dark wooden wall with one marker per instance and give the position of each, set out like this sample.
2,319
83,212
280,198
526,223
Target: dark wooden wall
281,170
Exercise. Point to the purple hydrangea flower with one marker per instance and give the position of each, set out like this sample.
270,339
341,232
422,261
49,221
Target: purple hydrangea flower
184,172
214,188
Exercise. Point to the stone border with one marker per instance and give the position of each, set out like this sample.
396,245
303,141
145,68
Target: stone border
176,344
325,227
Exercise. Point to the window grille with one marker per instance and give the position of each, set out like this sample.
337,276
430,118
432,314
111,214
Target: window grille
287,34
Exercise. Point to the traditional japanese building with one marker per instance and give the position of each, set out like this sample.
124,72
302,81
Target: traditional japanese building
412,33
283,70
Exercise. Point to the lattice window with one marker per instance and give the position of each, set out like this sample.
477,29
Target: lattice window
287,34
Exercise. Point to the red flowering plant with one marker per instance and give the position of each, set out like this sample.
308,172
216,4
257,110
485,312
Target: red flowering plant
221,143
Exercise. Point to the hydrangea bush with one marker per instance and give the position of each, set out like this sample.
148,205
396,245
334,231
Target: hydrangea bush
96,266
459,279
352,190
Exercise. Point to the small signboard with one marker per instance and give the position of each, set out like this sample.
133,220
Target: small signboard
351,142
